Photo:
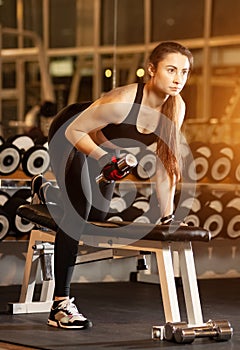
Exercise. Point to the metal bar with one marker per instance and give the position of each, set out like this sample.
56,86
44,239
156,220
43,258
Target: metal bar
97,81
47,86
167,282
207,60
46,24
197,43
190,286
115,25
1,87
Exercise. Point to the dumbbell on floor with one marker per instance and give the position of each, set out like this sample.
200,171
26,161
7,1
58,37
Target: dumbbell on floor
216,330
171,327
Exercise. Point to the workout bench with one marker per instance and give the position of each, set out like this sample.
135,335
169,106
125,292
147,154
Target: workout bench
160,239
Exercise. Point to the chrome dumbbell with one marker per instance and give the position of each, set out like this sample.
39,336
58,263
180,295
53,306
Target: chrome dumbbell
217,330
171,327
123,166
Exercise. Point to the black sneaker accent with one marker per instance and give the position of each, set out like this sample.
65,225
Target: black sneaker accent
42,193
64,314
38,184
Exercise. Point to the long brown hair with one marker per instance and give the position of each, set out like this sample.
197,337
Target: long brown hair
168,143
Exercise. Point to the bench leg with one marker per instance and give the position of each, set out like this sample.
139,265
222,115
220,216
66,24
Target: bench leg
167,282
190,285
165,261
165,258
30,273
26,303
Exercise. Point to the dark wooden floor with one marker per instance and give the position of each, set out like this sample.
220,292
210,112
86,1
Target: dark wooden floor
123,315
8,346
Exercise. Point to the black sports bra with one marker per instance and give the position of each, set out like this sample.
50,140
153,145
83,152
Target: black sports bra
127,130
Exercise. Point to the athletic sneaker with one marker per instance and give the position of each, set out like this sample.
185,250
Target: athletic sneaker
36,183
64,314
38,188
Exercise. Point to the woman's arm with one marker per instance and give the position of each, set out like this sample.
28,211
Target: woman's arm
165,191
85,131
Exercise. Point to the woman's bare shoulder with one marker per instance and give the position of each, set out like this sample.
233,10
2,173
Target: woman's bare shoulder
120,94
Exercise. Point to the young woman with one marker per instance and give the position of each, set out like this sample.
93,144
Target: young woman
124,117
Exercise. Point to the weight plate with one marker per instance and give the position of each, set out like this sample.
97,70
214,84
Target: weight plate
118,204
214,223
192,220
10,159
4,224
233,227
4,197
220,169
115,218
143,219
142,203
146,167
35,161
22,142
22,225
24,193
198,168
19,225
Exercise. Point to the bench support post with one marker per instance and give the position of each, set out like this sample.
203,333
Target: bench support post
167,282
190,286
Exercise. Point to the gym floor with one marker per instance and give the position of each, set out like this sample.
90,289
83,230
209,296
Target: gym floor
122,313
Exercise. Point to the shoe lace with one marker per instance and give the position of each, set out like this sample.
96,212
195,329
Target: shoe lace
69,306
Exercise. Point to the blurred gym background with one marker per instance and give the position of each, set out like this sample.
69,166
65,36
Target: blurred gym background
56,52
74,50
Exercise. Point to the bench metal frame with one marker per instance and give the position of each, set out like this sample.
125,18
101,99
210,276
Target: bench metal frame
164,256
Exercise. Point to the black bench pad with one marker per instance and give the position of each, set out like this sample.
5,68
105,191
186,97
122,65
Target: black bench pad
39,215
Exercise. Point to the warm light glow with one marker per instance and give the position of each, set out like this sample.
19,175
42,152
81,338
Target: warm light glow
140,72
108,73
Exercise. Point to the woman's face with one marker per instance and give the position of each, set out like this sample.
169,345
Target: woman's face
171,74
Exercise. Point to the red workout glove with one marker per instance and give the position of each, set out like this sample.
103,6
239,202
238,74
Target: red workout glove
111,172
114,169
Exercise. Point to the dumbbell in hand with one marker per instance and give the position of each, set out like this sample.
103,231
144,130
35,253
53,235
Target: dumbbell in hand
117,169
217,330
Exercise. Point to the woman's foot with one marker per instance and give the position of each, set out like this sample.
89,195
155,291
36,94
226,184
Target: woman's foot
64,314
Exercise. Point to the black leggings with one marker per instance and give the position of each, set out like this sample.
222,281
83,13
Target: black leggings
86,199
79,194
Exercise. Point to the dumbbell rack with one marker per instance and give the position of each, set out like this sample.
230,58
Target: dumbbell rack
19,175
10,184
164,252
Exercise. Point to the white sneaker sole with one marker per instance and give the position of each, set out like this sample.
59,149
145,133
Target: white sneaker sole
58,324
